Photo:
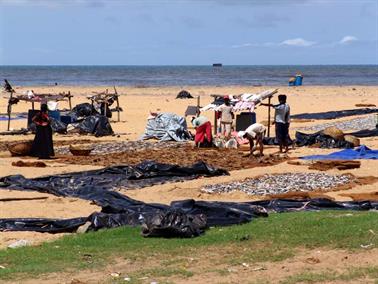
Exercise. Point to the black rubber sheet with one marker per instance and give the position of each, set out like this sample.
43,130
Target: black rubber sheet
184,218
324,141
365,133
335,114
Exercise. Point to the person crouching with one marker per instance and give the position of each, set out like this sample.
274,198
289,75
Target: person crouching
256,132
203,135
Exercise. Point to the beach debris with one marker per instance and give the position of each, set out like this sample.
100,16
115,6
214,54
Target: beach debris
29,164
352,139
365,105
19,243
312,260
360,123
334,132
115,274
281,183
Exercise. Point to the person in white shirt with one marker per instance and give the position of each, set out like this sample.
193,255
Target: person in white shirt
256,132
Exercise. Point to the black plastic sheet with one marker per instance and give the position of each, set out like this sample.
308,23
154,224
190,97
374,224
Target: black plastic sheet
84,110
365,133
98,125
97,184
184,95
323,140
335,114
174,224
160,220
184,218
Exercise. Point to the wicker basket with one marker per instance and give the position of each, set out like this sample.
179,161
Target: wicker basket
334,132
20,148
80,151
351,139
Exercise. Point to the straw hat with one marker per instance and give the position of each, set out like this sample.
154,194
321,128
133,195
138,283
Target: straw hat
352,139
334,132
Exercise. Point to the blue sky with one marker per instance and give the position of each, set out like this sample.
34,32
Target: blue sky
175,32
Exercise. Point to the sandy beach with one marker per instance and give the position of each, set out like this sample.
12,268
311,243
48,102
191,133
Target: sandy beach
136,104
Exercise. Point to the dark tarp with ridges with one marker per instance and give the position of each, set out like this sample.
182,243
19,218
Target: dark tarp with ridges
324,141
185,218
216,213
334,114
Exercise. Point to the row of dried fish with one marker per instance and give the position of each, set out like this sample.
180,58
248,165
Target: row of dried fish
124,146
281,183
360,123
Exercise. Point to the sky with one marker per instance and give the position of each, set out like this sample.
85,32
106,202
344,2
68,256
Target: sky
191,32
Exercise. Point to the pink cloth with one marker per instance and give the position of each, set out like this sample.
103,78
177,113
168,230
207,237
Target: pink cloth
244,105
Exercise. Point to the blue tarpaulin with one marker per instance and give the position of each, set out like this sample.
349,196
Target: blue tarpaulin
361,152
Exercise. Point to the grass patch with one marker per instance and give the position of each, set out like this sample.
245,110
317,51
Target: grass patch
264,239
353,273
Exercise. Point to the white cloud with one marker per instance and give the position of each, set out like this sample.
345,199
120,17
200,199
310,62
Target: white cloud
244,45
298,42
348,39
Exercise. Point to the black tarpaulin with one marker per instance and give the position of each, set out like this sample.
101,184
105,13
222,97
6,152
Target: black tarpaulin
185,218
324,141
98,125
335,114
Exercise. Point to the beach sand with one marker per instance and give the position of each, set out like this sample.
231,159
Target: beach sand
137,103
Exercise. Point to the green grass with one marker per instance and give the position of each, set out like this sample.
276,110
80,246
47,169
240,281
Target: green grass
265,239
330,275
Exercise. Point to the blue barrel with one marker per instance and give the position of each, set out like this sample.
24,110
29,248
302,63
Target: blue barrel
54,114
298,80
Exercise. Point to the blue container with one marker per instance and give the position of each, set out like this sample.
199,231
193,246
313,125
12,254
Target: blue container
54,114
66,119
298,80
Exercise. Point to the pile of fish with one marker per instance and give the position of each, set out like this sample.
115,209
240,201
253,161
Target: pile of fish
124,146
360,123
281,183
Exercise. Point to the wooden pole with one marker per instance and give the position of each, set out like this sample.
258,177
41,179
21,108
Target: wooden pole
215,123
118,111
198,106
269,117
69,99
9,109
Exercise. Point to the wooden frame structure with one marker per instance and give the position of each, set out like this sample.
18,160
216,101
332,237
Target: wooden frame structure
38,98
105,98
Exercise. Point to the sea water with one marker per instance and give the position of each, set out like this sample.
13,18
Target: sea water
143,76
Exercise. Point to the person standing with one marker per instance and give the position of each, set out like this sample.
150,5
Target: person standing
43,144
203,135
227,117
282,122
256,132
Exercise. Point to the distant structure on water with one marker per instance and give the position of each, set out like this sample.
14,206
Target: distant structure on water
217,64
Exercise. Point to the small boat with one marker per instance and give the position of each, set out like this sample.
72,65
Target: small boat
217,64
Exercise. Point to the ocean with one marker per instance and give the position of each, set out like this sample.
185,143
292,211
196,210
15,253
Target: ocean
145,76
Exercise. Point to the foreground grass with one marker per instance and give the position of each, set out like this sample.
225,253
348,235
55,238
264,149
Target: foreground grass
265,239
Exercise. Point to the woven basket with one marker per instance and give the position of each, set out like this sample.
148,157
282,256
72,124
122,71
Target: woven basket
351,139
80,151
334,132
20,148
